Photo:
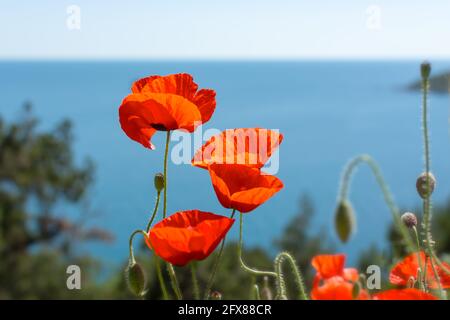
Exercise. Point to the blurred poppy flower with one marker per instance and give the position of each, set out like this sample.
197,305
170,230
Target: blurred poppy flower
332,281
247,146
337,288
242,188
332,265
408,267
403,294
163,103
188,235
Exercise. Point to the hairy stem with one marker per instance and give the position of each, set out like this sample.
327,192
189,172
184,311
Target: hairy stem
160,278
195,287
427,206
174,281
243,265
297,276
155,210
170,269
130,243
388,198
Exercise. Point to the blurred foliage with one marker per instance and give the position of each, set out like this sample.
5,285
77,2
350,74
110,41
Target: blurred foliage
38,177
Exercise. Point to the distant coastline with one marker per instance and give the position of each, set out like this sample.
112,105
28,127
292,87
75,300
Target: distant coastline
438,83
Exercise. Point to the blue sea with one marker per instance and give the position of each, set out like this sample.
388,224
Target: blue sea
328,112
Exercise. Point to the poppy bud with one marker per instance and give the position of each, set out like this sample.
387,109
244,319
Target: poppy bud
422,185
425,70
159,182
135,278
411,282
216,295
409,219
356,290
344,220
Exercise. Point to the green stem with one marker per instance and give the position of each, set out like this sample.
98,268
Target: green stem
172,274
174,281
427,206
243,265
160,278
422,277
216,264
155,210
297,276
194,281
388,198
257,295
166,153
130,243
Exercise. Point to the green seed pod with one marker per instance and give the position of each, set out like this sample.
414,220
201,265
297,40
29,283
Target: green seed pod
135,277
344,220
409,220
422,186
159,182
425,70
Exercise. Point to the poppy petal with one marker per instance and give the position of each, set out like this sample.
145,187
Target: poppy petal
181,84
404,294
248,146
188,235
241,187
336,288
329,265
205,100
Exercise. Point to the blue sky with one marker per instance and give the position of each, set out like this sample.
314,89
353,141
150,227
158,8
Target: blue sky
202,29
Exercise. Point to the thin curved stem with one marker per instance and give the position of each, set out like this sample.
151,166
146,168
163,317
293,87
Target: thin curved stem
243,265
174,281
195,287
388,198
166,153
130,243
160,278
297,276
155,210
216,264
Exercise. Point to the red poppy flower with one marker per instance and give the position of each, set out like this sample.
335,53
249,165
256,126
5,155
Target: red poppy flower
403,294
188,235
408,267
332,265
247,146
242,188
332,280
337,288
164,103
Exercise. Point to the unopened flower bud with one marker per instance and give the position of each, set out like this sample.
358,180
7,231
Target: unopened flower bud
344,220
159,182
409,219
356,290
135,278
216,295
411,282
422,185
425,70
